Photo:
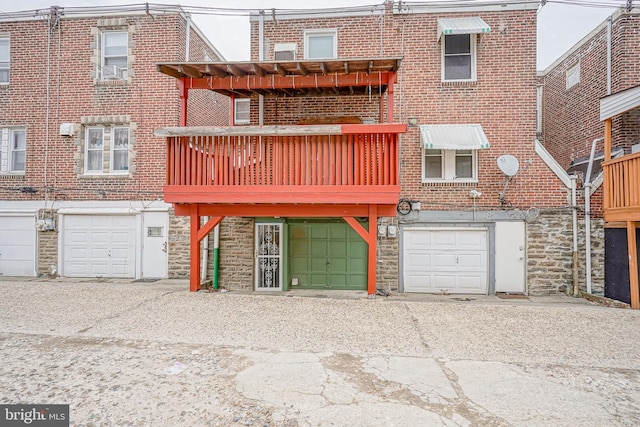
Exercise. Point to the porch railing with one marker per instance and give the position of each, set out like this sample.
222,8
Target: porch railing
358,155
622,188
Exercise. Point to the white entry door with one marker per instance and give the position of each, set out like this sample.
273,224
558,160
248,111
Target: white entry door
17,245
452,260
99,246
155,247
511,257
268,257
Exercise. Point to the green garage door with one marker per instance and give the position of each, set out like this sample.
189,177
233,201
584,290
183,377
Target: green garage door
327,255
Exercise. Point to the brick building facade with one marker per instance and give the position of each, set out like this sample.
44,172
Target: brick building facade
604,62
453,221
81,174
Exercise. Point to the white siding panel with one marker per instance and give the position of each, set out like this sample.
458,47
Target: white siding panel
17,245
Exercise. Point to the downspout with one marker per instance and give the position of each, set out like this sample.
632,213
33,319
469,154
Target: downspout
587,214
261,58
609,24
587,233
205,255
187,38
216,257
574,208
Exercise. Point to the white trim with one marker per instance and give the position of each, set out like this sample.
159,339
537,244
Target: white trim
98,211
235,111
463,6
552,164
473,41
321,32
621,102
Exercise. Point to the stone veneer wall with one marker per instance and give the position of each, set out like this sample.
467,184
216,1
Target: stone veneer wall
236,253
549,241
387,273
178,246
550,254
48,245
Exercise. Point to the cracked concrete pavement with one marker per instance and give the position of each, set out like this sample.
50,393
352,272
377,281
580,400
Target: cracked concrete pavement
122,353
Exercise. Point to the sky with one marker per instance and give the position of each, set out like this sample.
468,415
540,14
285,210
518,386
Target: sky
560,26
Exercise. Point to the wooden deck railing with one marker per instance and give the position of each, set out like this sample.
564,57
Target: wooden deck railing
362,159
622,188
332,162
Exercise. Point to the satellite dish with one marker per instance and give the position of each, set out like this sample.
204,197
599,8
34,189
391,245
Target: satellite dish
508,164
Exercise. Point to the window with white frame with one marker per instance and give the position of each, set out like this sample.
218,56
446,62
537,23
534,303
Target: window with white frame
573,76
242,111
114,55
449,165
4,59
459,57
106,142
120,149
320,44
13,150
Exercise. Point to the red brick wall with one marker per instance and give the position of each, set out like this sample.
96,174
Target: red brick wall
571,119
503,100
150,99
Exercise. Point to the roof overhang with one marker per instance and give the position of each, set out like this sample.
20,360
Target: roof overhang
349,76
453,137
621,102
469,25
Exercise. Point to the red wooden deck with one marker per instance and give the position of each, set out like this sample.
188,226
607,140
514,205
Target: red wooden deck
320,164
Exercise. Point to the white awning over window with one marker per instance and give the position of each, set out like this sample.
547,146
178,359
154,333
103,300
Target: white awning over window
473,25
453,137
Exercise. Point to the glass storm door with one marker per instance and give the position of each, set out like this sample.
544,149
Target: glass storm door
268,257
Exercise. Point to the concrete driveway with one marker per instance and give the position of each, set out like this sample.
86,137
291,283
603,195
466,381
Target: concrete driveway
153,354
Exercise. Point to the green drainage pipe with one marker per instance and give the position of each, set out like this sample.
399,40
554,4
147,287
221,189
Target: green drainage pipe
216,256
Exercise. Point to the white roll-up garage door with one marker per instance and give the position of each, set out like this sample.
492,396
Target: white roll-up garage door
99,246
445,260
17,245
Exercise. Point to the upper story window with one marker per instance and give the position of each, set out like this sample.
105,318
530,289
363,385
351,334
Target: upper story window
459,57
106,150
321,44
242,111
449,165
4,59
450,152
13,150
114,55
573,76
459,38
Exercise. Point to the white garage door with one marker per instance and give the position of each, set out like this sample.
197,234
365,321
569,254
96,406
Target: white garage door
99,246
17,245
445,260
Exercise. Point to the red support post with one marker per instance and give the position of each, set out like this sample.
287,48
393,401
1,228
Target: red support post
390,93
184,95
373,242
232,109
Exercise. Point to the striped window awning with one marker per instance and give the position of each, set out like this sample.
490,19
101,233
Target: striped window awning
453,137
473,25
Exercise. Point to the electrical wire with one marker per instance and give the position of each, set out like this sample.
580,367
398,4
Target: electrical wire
220,11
